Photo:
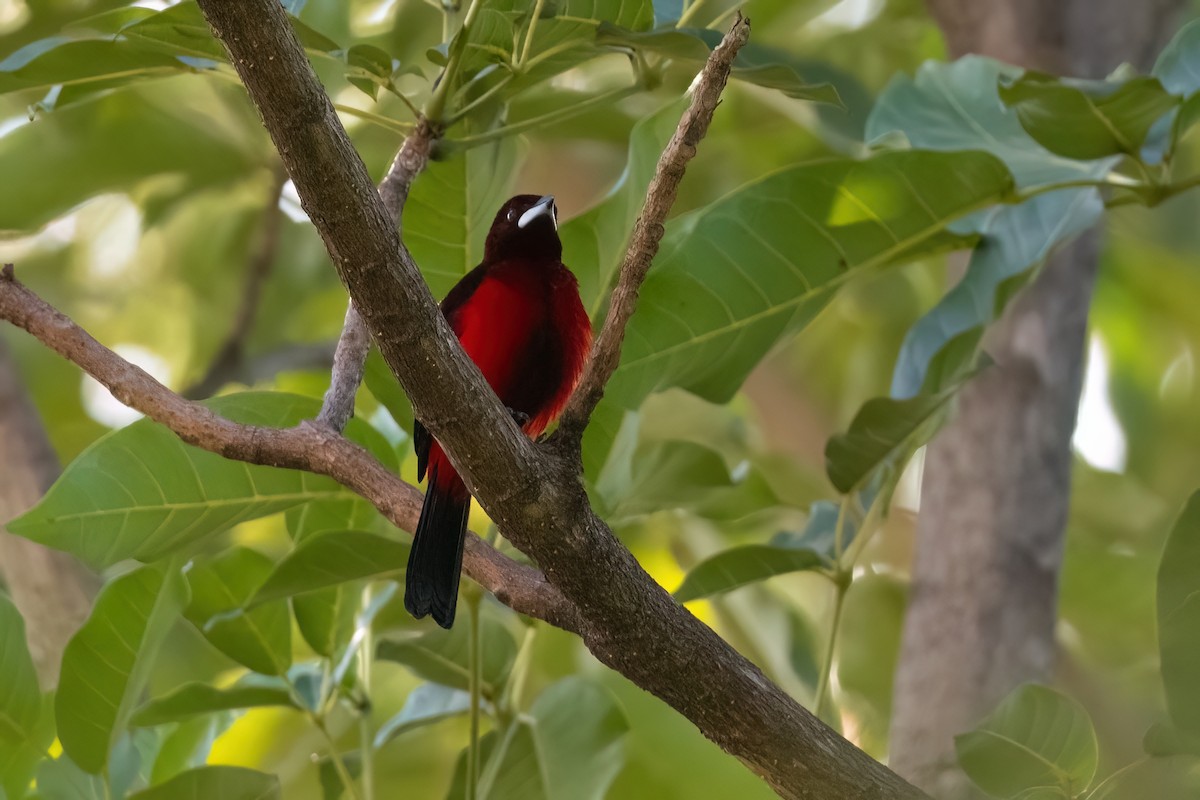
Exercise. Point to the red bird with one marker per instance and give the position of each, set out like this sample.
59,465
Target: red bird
519,317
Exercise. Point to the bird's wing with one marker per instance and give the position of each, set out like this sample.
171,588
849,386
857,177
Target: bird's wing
455,299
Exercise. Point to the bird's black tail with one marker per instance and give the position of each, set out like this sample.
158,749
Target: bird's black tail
431,582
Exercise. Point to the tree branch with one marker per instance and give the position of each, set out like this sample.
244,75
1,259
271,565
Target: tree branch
309,447
648,232
626,619
350,358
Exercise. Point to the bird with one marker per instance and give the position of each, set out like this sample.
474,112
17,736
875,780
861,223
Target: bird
519,317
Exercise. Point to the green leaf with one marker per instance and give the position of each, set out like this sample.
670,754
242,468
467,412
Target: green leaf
1163,739
884,432
425,705
193,699
441,656
570,746
451,208
259,638
61,779
386,390
1037,737
19,762
1179,618
1170,777
106,664
956,106
740,566
595,240
1178,65
1087,119
140,492
227,783
1015,240
330,559
757,64
738,275
20,699
69,62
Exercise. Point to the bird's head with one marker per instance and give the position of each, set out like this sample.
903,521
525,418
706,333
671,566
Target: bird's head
525,227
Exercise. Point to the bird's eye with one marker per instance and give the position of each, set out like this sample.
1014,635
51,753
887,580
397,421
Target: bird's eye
512,212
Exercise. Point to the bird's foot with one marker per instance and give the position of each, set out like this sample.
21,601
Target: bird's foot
519,417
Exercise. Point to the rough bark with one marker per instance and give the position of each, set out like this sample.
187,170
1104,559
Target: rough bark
51,589
994,500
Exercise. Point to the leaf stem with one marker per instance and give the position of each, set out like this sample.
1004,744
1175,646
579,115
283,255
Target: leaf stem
478,101
839,601
339,766
474,681
436,107
365,740
537,13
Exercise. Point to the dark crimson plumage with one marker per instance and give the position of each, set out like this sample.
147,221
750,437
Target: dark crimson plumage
519,317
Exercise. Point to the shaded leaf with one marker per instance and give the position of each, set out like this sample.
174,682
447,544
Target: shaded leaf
441,656
739,566
193,699
259,638
1179,618
227,783
61,779
1087,119
330,559
425,705
1037,737
1178,65
140,492
79,61
956,106
20,698
106,664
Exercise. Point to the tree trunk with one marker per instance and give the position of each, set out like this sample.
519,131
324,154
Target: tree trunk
989,548
51,589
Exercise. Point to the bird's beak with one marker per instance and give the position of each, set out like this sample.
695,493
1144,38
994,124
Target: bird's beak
542,208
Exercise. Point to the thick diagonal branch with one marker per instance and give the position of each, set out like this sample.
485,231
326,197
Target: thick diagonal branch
313,448
626,619
648,232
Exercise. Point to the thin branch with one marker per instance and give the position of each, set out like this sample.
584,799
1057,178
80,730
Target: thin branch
350,358
309,447
648,232
232,352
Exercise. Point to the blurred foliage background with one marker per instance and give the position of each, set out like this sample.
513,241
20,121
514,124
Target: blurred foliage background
138,212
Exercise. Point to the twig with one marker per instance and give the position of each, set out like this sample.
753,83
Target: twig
232,352
648,232
307,447
350,358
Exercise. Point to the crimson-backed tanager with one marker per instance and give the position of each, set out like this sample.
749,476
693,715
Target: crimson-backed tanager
519,317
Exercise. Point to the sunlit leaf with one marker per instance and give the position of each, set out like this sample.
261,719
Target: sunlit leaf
107,662
1037,737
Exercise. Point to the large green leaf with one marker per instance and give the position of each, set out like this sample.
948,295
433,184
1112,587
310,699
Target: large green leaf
1179,618
1037,737
1087,119
736,276
19,760
227,783
141,493
66,62
259,638
441,656
330,559
451,208
594,242
570,746
1178,65
957,107
1015,240
20,699
61,779
107,662
425,705
194,699
112,144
